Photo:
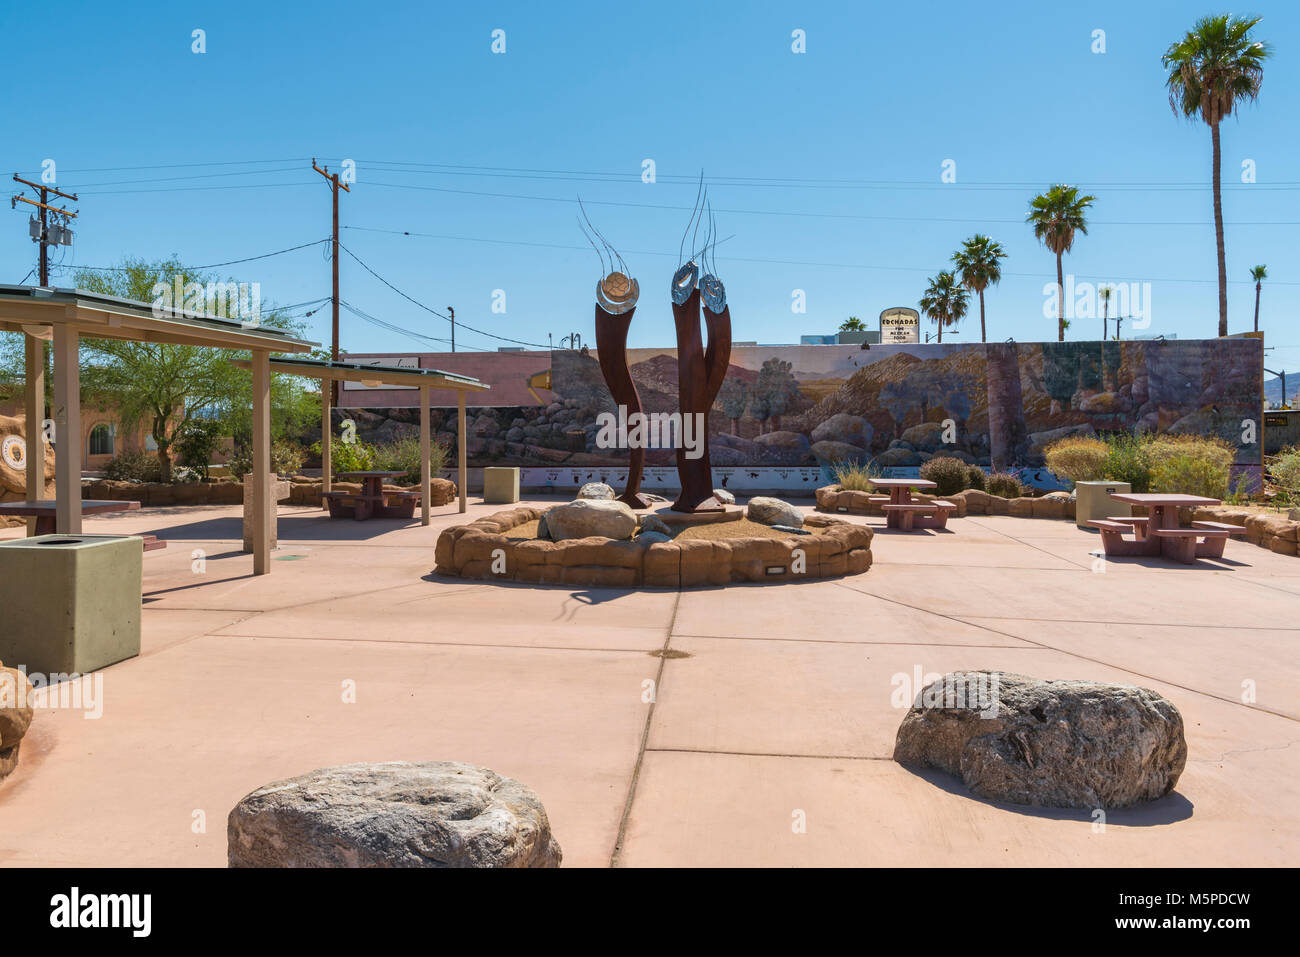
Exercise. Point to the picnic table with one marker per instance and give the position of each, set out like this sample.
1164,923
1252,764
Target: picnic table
905,513
1160,531
45,510
373,501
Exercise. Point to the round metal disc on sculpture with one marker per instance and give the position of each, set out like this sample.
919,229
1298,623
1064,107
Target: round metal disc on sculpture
684,282
617,294
714,293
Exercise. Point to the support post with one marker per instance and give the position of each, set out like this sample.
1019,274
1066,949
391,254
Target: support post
462,439
67,430
326,439
262,506
426,487
35,410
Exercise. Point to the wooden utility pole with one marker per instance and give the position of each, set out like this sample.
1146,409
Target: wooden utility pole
34,359
452,312
335,186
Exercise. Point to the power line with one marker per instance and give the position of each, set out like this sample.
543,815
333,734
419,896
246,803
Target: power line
232,262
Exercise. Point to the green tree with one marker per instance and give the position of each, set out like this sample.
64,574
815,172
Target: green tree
1216,65
163,386
734,398
1259,274
853,324
945,301
1056,216
778,387
978,264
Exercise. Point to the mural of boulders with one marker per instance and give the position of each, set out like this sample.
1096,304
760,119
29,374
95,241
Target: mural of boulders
15,716
397,814
810,405
1024,740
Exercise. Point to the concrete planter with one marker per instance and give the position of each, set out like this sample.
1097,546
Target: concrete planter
72,602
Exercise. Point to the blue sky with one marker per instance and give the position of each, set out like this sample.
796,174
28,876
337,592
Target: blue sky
825,167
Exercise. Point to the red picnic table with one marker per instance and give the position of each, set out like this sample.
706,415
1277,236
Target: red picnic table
1160,532
45,511
372,501
905,513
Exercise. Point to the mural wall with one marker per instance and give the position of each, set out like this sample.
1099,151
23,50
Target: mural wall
801,407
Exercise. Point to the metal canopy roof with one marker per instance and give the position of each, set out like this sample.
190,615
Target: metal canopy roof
98,316
361,372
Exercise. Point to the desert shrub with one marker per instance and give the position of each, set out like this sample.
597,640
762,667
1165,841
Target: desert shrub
134,466
1190,464
404,455
976,477
286,458
197,444
355,456
949,475
1127,461
1078,458
855,476
1004,484
1285,474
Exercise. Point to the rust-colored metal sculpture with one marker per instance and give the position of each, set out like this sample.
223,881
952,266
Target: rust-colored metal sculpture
700,371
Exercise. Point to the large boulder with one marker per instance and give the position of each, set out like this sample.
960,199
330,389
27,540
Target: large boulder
1025,740
587,517
844,427
773,511
396,814
833,453
596,491
15,715
783,448
926,437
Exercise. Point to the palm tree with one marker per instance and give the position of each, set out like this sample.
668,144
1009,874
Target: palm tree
1056,216
1210,70
978,262
853,324
1105,292
944,301
1259,274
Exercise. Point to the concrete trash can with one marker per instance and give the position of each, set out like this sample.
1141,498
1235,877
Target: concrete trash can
1092,501
72,602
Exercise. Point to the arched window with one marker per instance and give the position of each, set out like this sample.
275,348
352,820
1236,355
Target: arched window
101,439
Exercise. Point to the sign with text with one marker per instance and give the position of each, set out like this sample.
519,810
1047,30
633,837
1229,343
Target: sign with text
900,325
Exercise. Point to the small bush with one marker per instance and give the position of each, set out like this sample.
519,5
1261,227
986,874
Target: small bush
197,444
855,476
134,467
1127,461
355,456
949,475
1005,485
1078,458
1285,474
1190,465
286,458
404,455
976,477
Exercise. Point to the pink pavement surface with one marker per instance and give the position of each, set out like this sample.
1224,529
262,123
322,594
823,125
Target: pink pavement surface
777,711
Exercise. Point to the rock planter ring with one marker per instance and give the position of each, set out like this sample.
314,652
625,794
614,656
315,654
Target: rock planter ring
481,550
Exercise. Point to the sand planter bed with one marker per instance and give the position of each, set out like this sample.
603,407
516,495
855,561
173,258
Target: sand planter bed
503,547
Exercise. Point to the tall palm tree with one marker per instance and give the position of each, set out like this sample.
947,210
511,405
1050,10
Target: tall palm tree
1056,216
978,262
945,301
1105,292
1215,66
1259,274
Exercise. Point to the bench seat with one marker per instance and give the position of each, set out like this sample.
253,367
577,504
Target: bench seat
912,507
1221,526
1189,533
1110,525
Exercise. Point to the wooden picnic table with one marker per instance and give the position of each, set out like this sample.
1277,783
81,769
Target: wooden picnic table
372,501
1160,532
907,514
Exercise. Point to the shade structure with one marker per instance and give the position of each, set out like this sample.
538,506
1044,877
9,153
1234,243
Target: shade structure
424,379
66,316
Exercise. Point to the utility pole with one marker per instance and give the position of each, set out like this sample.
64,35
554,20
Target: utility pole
335,185
452,312
44,238
35,358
